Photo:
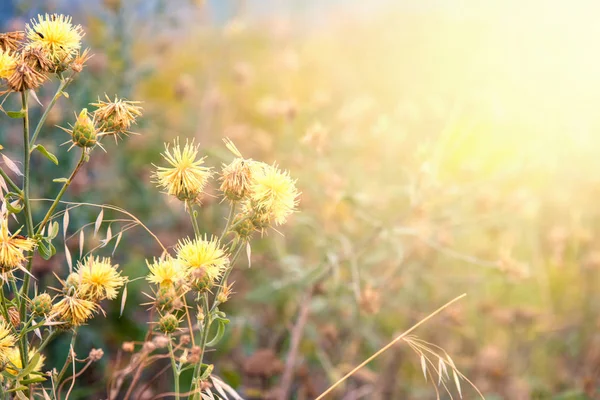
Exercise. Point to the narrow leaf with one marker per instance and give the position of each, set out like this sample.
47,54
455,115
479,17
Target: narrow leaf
11,165
45,152
65,223
424,366
3,185
457,383
98,221
123,300
249,254
81,242
60,180
68,257
16,114
117,242
34,95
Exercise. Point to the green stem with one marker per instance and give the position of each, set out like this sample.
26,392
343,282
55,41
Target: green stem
46,341
4,307
12,185
175,369
63,84
229,220
204,338
225,276
62,192
190,206
23,342
68,360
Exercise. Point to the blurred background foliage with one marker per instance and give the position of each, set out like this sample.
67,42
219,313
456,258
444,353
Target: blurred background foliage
440,149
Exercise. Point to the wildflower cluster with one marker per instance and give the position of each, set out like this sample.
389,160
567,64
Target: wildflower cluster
49,47
195,276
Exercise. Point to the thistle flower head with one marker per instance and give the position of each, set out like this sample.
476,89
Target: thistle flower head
7,341
165,272
73,311
274,194
115,117
14,364
236,177
12,248
99,279
80,60
57,34
11,40
185,178
204,260
8,62
37,57
25,77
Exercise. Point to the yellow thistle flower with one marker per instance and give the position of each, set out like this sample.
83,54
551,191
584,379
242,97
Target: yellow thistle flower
204,259
185,178
14,361
57,35
8,62
7,341
12,247
165,272
236,178
116,117
99,279
274,195
73,311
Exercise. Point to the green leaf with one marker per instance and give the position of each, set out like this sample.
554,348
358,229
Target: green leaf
45,249
16,114
53,230
32,380
60,180
222,322
45,152
33,361
206,369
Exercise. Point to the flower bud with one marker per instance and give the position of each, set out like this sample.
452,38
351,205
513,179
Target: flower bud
168,323
84,132
41,304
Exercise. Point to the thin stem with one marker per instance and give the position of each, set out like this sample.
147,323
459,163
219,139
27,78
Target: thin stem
68,361
229,220
203,339
390,344
23,342
12,185
62,192
190,207
3,303
63,84
225,276
175,370
46,341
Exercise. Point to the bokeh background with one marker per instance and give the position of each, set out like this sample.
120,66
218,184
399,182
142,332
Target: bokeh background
441,147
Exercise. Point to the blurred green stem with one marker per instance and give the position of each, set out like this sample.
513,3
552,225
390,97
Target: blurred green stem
62,192
225,276
23,342
229,219
175,369
68,360
12,185
205,329
190,207
64,82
